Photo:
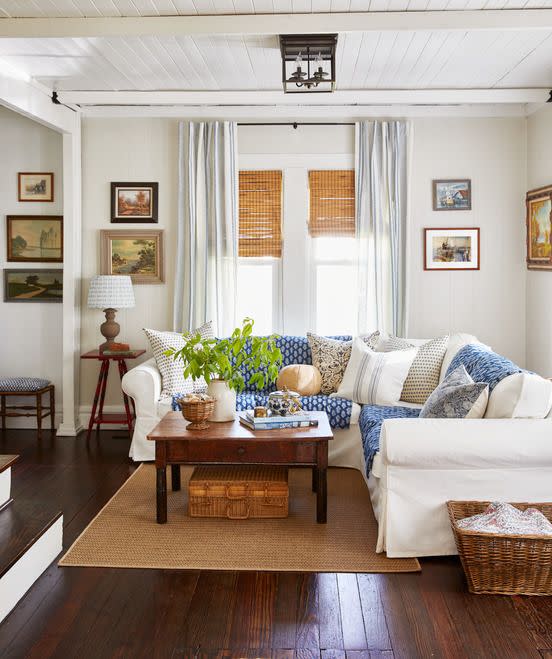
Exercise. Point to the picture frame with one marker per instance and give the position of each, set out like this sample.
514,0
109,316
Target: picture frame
138,253
134,202
33,285
35,186
452,194
452,248
34,238
538,222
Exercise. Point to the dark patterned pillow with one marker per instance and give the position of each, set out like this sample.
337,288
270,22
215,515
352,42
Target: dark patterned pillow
457,397
172,372
331,357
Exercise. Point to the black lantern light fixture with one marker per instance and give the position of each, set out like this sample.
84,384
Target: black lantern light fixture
308,62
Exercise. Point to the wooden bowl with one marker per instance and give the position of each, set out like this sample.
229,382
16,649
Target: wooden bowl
197,412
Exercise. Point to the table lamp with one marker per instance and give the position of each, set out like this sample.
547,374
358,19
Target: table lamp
110,292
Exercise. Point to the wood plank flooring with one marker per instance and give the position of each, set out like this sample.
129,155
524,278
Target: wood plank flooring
97,612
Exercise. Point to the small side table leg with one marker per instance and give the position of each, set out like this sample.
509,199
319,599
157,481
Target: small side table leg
161,495
175,477
102,394
3,411
96,398
52,408
314,479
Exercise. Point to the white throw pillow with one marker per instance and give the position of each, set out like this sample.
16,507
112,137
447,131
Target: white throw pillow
375,378
520,396
172,372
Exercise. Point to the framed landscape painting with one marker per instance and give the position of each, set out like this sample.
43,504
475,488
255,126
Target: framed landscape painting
452,195
33,285
35,238
451,249
135,253
539,229
134,202
35,186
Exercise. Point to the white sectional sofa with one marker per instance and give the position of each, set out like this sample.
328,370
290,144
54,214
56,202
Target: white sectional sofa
421,463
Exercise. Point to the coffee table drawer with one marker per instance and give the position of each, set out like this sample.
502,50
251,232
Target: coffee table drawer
222,451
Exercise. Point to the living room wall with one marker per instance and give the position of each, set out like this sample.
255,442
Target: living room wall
30,332
490,151
539,283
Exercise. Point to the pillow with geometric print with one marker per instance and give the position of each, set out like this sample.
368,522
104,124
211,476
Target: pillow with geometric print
172,372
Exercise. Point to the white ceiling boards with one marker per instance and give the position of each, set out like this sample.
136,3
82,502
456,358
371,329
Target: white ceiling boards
225,52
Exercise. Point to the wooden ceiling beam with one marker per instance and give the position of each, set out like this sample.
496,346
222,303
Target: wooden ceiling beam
263,24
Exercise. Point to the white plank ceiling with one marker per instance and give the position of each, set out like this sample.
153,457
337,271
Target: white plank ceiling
384,60
483,59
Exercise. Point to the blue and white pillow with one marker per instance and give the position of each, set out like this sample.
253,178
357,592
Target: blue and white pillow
457,397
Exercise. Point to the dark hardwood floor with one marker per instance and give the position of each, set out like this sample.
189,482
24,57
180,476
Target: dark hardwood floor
98,612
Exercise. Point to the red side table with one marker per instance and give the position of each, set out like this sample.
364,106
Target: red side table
97,416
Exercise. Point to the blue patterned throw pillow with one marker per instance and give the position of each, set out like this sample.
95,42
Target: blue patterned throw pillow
457,397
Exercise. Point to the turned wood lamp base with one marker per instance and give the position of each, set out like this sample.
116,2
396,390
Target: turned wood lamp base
109,329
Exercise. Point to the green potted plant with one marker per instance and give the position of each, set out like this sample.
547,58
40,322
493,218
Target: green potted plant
222,362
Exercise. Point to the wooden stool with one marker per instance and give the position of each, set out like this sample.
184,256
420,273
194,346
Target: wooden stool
27,387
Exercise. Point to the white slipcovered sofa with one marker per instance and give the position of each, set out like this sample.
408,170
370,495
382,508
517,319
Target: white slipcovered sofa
421,463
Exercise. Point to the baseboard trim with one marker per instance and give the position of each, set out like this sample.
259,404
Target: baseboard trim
86,410
69,430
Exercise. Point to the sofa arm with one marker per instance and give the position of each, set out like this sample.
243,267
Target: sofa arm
143,384
466,443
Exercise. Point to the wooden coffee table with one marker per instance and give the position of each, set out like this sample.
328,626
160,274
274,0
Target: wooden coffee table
231,443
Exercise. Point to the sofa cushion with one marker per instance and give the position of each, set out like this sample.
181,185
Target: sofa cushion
331,355
370,422
375,378
483,365
172,372
455,343
305,379
339,410
457,397
520,396
423,376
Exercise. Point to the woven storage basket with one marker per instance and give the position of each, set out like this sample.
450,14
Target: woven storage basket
238,492
503,564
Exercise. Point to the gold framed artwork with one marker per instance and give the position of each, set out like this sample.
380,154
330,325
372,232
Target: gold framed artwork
35,238
35,186
135,253
134,202
539,228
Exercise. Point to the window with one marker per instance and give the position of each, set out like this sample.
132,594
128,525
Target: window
334,304
260,248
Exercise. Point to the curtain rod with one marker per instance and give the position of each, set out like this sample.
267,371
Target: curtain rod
295,124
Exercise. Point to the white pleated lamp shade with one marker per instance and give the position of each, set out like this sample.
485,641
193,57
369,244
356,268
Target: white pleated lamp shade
111,292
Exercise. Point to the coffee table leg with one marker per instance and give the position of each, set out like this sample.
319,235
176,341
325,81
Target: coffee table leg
314,479
175,477
161,495
322,497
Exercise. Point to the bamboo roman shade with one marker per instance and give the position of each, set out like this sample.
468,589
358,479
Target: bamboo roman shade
332,202
260,211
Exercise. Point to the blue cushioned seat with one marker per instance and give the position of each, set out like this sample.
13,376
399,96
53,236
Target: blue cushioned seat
370,422
23,384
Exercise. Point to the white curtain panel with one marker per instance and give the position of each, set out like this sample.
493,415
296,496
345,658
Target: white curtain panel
381,166
207,238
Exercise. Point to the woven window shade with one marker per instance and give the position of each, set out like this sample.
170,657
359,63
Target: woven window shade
332,203
260,227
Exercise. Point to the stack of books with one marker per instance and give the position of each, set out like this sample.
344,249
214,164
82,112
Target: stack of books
299,420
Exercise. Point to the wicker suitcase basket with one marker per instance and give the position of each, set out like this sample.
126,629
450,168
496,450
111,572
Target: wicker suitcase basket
503,564
238,492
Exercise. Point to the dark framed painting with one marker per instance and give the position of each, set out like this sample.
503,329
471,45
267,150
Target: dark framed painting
33,285
539,228
134,202
35,186
134,252
35,238
452,249
452,195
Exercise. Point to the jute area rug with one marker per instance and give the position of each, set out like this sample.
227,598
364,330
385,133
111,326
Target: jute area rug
125,534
